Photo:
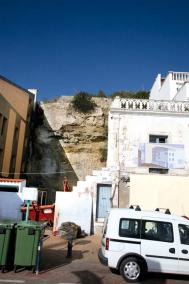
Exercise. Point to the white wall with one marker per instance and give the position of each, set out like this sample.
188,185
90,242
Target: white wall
128,129
165,91
183,93
152,191
170,88
155,88
73,207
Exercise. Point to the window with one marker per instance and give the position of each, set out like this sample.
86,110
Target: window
0,119
184,234
12,165
158,159
1,157
158,138
16,132
129,228
158,171
4,126
157,231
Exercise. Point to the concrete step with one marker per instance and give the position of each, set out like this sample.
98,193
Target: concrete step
90,178
98,228
81,184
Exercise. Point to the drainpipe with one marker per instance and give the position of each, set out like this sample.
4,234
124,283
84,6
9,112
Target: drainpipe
117,179
118,160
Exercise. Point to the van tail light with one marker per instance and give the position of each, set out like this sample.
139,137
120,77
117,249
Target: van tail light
107,243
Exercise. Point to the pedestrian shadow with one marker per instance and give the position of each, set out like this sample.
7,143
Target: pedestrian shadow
52,259
87,277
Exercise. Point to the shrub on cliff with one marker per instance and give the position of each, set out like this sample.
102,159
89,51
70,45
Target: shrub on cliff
83,102
131,95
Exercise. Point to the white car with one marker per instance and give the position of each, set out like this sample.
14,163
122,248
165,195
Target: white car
136,242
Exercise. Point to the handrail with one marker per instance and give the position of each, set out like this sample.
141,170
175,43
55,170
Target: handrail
150,105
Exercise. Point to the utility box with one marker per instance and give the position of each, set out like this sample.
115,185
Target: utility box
7,244
11,198
28,236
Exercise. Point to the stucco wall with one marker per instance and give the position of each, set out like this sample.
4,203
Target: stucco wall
16,105
183,93
172,87
152,191
19,101
128,129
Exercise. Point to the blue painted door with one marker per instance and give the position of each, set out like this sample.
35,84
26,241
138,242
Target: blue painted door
103,200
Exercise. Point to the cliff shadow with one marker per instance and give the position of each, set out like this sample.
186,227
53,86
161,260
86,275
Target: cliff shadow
47,162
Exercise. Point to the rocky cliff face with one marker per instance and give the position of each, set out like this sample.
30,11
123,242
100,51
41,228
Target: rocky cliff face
67,143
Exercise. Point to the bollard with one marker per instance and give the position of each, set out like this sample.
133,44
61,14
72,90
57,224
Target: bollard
36,268
69,251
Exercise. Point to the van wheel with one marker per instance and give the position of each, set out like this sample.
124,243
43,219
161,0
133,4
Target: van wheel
132,269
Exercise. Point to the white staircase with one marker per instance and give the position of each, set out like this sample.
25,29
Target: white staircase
90,185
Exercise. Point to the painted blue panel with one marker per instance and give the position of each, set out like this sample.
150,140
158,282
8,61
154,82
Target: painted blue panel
103,202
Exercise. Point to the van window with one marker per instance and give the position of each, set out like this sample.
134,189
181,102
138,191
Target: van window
129,228
157,231
184,234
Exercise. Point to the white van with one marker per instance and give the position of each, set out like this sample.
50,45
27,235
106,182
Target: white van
135,242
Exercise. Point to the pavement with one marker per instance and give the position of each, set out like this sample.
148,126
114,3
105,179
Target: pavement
82,268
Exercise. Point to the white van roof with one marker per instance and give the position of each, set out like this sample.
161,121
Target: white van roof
133,213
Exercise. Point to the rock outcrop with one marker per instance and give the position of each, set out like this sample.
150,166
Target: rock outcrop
67,143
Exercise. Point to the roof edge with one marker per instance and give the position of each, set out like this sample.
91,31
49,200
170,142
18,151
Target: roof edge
16,85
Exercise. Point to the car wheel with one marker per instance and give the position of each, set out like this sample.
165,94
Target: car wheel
132,269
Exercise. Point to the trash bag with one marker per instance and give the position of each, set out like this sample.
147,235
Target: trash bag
69,230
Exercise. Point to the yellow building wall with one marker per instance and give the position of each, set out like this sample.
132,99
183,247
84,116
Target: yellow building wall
17,98
14,105
163,191
20,149
9,143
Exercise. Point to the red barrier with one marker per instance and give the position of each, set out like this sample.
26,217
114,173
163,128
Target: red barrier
40,213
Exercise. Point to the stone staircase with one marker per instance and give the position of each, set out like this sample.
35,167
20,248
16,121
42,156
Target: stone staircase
89,185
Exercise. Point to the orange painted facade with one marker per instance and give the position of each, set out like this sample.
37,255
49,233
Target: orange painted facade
16,107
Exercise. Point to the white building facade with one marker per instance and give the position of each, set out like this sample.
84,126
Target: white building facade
145,138
173,87
139,128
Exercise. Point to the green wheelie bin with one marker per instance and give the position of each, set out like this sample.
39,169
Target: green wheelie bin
7,244
29,236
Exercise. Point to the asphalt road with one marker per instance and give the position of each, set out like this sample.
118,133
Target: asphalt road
82,268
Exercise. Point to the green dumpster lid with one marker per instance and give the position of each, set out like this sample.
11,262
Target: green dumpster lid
33,224
7,223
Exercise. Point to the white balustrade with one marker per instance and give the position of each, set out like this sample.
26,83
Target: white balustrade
150,105
180,76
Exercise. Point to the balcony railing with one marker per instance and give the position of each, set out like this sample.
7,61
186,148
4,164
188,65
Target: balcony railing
150,105
180,76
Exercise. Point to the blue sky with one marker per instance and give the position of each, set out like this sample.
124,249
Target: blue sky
61,47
